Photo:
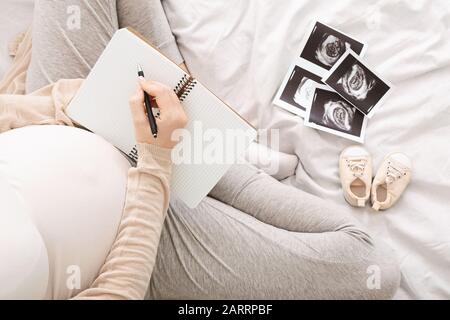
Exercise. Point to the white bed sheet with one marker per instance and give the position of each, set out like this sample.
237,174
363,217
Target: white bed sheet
242,50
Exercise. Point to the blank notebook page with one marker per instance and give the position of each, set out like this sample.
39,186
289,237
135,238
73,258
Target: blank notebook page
101,105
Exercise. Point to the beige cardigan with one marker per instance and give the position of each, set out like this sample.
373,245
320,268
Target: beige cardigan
128,267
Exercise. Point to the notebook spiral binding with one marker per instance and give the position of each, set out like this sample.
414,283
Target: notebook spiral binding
184,87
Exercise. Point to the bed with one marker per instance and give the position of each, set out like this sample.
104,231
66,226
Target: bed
242,50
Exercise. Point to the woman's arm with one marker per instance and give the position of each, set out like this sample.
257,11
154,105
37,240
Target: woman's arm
43,107
129,265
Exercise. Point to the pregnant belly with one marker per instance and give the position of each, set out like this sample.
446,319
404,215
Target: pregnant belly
73,184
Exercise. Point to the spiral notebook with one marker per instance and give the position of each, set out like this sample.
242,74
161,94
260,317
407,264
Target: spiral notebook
101,106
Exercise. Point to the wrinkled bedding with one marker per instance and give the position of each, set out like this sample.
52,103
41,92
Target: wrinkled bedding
242,50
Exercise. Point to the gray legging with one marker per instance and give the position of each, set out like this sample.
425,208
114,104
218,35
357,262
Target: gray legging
253,237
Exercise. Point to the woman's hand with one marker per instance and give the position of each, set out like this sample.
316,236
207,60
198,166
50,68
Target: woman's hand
172,115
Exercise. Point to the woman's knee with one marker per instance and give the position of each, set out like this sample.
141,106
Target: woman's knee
383,273
365,269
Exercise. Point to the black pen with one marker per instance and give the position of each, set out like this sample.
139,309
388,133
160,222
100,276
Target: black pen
148,105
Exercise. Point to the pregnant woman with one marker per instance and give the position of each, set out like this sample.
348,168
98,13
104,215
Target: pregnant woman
252,238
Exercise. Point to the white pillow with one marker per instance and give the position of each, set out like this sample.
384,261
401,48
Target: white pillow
73,185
